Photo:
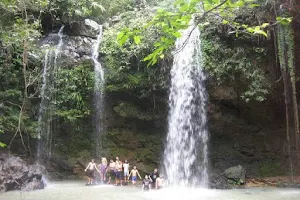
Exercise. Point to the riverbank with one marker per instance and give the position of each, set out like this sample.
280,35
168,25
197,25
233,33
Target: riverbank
278,181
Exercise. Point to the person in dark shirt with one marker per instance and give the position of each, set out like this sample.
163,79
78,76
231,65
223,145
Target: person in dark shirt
153,177
146,183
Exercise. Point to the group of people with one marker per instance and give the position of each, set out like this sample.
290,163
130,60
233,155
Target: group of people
121,172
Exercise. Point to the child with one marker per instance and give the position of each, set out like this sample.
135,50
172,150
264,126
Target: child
134,172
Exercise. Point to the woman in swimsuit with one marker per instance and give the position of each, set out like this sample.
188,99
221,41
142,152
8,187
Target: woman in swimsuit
102,168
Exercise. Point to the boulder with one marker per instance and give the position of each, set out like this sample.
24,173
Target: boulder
16,174
236,175
219,182
86,28
230,178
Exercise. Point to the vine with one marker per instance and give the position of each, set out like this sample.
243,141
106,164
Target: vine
285,47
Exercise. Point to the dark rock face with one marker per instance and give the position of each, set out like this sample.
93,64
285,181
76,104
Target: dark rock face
16,174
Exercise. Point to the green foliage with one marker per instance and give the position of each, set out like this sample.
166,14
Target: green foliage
236,62
69,10
125,71
74,89
171,21
236,182
285,43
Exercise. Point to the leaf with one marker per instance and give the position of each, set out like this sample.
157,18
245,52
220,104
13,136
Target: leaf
225,21
123,40
120,35
260,32
137,39
264,25
176,34
254,5
149,57
2,145
250,30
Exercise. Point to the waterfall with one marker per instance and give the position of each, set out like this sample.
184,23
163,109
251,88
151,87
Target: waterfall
46,110
98,92
186,153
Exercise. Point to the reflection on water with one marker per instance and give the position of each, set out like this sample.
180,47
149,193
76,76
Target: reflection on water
78,191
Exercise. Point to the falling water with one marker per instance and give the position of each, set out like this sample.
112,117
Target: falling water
44,130
185,155
98,92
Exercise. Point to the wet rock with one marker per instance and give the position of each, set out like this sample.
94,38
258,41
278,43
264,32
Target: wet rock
236,175
219,182
233,177
16,174
75,49
86,28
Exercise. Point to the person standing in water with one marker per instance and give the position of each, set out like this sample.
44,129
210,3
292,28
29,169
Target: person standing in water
134,172
90,170
153,177
102,168
119,169
111,170
160,182
126,171
146,183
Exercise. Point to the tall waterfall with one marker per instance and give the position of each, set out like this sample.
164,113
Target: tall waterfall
185,155
98,92
46,110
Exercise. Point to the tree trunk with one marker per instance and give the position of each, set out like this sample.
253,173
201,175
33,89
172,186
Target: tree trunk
291,67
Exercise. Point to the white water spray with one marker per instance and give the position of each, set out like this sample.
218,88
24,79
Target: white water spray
44,130
98,92
185,155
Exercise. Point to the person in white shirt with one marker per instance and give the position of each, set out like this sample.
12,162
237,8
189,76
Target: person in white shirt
126,171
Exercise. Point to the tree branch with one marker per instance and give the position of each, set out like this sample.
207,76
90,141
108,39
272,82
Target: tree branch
198,20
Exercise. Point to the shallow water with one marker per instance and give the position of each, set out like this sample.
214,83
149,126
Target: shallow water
78,191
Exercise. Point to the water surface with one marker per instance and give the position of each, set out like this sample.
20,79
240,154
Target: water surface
78,191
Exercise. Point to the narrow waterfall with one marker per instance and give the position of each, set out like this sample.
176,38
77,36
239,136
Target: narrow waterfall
46,110
185,155
98,93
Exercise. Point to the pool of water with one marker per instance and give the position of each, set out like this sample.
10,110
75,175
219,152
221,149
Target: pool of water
78,191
